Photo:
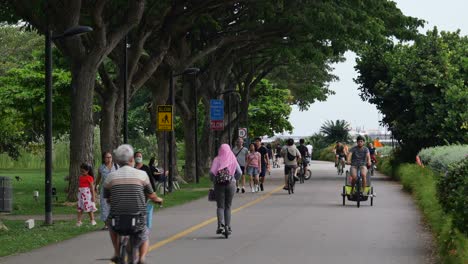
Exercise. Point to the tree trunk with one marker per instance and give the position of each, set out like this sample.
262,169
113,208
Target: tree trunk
189,128
81,135
107,125
207,149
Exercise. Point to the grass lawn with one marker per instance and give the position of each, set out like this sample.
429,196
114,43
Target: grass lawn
19,239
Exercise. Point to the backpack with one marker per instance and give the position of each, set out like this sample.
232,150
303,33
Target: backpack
223,177
290,157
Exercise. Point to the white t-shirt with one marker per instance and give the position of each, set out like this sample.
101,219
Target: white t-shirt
310,148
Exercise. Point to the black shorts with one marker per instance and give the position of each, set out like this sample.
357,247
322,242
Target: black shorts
287,168
264,168
242,169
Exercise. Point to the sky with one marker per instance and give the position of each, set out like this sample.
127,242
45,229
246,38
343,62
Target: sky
346,104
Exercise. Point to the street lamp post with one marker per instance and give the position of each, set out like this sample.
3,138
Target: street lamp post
187,71
78,30
125,91
229,92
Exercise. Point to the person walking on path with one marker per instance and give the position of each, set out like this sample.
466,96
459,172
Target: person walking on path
86,194
140,166
264,161
106,167
241,153
223,173
253,167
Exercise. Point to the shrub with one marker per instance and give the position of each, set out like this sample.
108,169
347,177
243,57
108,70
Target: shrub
439,158
452,191
384,151
422,183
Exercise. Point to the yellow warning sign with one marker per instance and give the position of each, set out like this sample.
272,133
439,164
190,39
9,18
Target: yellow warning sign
165,118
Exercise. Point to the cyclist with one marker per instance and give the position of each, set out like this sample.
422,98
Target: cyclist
371,148
290,155
341,151
304,154
127,190
359,158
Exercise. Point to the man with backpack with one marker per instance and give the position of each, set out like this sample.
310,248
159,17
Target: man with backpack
290,155
241,154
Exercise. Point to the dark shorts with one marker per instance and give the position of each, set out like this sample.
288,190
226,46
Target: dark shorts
287,168
242,169
264,168
138,238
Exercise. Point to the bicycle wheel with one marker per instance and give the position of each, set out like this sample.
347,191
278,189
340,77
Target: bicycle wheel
344,195
308,174
302,175
372,196
123,250
290,182
358,192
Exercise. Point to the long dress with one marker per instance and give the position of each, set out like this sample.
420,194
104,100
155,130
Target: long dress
104,205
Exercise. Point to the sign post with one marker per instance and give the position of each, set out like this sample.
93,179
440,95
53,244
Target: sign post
165,118
216,115
243,132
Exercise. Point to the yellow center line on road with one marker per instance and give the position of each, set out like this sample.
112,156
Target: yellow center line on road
209,221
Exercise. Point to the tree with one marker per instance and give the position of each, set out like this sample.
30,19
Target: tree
336,131
22,103
16,46
272,110
420,88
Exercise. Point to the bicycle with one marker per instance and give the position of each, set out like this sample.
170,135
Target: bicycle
304,172
126,226
372,168
340,166
358,193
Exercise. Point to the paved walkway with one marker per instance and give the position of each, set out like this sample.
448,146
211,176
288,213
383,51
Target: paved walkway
310,226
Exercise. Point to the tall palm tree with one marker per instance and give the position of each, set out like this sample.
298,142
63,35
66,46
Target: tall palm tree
336,131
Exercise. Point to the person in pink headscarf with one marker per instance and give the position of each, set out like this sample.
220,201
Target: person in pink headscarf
224,172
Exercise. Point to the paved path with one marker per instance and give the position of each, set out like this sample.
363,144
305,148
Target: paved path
310,226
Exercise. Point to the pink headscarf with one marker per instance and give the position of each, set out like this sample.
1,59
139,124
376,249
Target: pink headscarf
225,159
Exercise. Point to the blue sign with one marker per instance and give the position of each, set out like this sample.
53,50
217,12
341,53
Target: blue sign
216,109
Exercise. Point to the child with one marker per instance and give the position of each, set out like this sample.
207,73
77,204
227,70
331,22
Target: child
253,166
86,194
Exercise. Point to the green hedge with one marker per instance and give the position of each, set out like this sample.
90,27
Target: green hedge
422,182
452,191
440,158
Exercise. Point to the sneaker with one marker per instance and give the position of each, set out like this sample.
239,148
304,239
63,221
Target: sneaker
243,190
229,230
93,223
253,190
261,187
257,188
79,223
237,191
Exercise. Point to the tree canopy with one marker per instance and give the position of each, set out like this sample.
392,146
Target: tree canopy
420,88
